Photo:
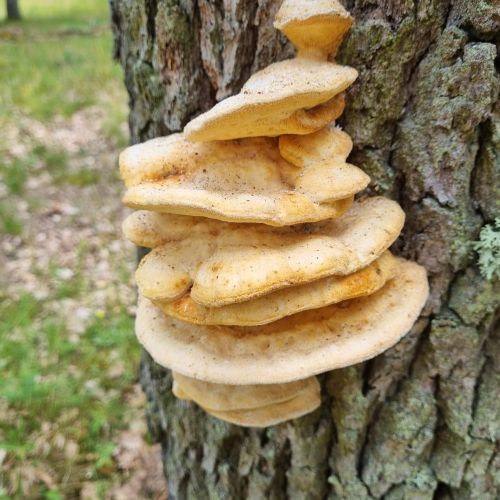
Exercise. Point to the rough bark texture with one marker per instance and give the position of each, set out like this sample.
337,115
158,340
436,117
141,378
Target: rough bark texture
421,420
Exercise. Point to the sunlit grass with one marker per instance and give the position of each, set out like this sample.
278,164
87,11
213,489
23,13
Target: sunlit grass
53,62
56,77
51,15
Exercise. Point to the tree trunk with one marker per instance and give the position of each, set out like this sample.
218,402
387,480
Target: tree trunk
13,12
421,419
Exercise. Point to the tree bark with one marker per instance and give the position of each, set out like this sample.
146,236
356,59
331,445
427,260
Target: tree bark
421,420
13,12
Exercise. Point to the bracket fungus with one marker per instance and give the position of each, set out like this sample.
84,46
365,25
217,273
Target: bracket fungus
174,175
226,397
291,348
219,265
263,271
296,96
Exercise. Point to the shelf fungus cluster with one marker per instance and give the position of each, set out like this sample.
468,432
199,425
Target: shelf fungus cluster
263,270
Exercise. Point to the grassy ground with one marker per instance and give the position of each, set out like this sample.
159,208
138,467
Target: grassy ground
71,421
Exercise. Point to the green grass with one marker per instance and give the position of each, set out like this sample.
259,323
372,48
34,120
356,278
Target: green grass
48,378
60,15
9,222
15,172
58,164
14,175
62,77
47,76
54,63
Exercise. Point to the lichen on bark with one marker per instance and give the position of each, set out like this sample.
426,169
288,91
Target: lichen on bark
421,420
